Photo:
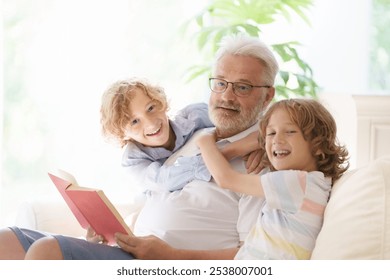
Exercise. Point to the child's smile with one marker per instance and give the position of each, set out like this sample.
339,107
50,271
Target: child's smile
149,125
285,145
154,132
281,153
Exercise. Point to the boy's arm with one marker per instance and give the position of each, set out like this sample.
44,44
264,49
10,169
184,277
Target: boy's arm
248,149
241,147
197,113
223,173
155,175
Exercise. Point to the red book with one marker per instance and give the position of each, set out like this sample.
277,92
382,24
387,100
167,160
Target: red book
91,207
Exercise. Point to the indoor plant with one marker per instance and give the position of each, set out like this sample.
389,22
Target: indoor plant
222,17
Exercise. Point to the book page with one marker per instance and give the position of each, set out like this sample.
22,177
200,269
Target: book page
64,175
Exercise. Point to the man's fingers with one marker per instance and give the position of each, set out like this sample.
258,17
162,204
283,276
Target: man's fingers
253,163
125,240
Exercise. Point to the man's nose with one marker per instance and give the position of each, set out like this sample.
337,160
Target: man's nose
228,94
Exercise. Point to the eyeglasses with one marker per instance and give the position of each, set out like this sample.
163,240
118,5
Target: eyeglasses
239,89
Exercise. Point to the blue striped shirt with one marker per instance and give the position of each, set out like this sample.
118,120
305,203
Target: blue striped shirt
145,164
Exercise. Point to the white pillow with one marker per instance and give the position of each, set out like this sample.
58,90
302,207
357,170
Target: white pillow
48,214
357,221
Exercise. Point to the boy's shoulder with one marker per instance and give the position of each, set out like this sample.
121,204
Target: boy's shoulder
196,106
193,110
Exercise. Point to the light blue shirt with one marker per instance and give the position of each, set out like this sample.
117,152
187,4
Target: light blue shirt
145,164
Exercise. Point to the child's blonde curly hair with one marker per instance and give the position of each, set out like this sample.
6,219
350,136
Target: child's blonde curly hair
115,111
318,128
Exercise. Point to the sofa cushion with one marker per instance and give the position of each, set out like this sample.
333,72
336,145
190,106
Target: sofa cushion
48,214
357,221
51,214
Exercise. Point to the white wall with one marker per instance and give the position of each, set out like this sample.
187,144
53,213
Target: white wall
343,109
1,105
337,45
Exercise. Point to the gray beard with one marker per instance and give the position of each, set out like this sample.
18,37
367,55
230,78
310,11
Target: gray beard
228,125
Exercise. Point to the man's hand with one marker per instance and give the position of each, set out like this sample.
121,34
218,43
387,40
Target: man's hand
145,248
253,162
152,248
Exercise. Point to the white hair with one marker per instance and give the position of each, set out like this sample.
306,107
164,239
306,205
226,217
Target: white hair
241,44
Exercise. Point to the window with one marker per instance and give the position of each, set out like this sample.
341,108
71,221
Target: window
380,46
59,56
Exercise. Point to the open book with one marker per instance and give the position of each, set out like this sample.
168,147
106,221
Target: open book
90,206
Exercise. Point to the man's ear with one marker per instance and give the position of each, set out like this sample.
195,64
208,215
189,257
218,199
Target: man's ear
270,95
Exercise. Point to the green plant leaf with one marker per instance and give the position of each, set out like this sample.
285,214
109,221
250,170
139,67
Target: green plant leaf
226,17
196,71
285,76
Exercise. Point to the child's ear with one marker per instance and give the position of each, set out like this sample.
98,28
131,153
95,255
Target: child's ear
320,154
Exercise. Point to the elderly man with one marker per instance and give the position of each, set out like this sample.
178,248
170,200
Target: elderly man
202,221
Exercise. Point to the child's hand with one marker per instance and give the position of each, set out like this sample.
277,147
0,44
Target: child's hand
206,137
93,237
243,148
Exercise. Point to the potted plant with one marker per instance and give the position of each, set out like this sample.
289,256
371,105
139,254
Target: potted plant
223,17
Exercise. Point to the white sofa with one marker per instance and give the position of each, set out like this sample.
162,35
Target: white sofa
356,224
357,218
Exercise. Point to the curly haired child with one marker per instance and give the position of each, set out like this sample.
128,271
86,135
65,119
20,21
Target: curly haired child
134,114
302,159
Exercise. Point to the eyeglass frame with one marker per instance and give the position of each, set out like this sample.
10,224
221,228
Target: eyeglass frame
233,87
